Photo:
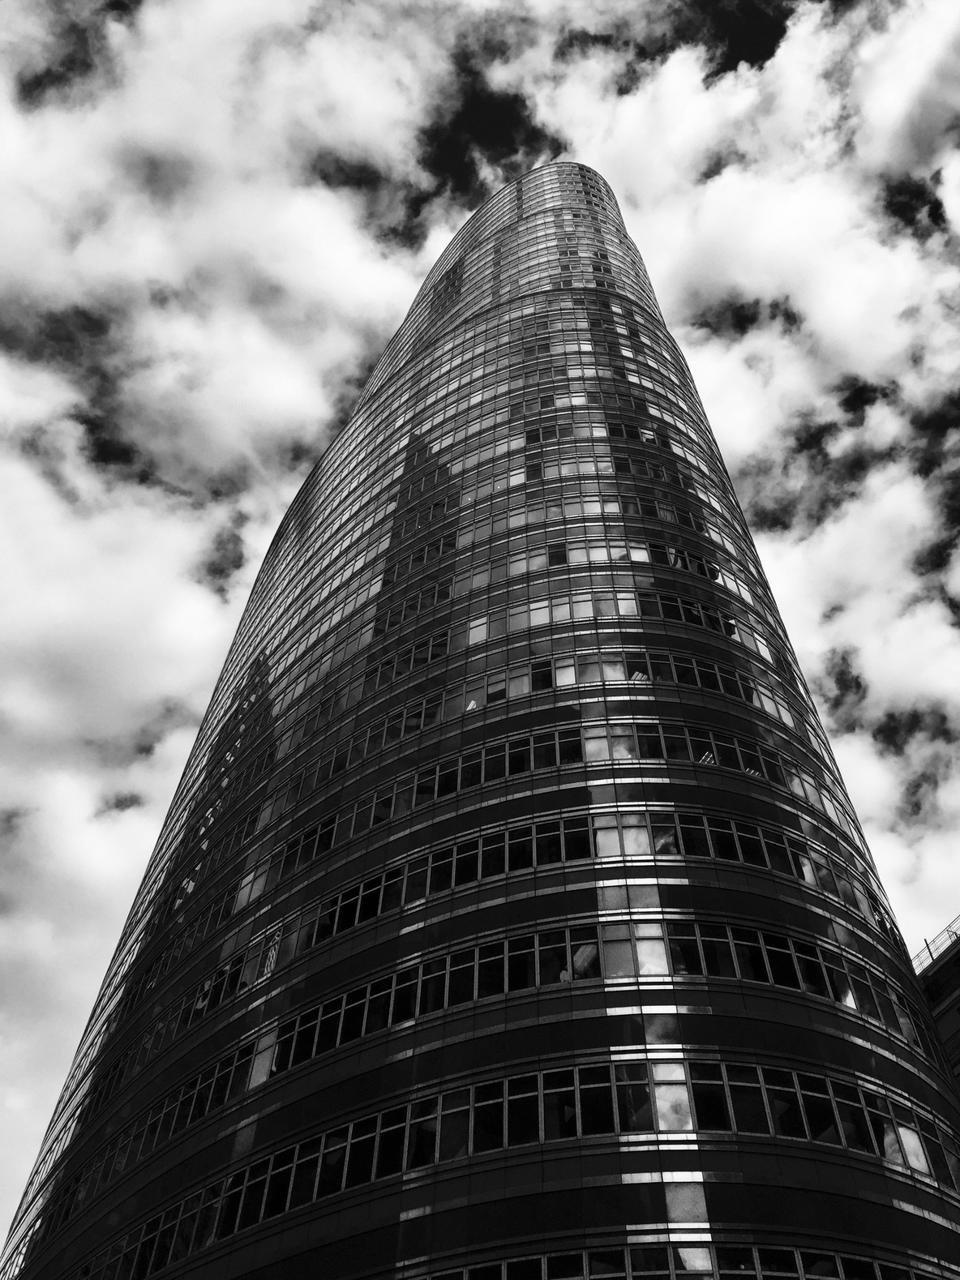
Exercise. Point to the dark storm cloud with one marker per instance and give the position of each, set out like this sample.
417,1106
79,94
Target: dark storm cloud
826,464
935,557
730,317
732,31
632,54
119,802
935,433
478,137
769,497
856,395
75,337
88,345
718,159
334,170
79,342
829,481
394,208
170,715
913,203
575,41
11,821
225,556
782,311
816,477
897,728
347,394
843,689
733,316
480,123
827,461
122,9
71,56
919,801
163,176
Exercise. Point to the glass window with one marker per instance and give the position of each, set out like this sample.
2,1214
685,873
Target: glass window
455,1124
585,953
819,1111
421,1148
671,1097
709,1096
523,1122
618,953
750,1115
333,1162
559,1105
634,1112
636,838
650,949
596,1100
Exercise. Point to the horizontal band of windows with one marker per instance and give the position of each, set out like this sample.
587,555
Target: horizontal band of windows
624,837
626,1098
705,749
580,554
571,510
508,288
684,1262
632,951
397,376
561,608
622,744
558,607
283,862
656,428
565,346
609,667
314,635
511,333
726,1098
598,605
616,744
573,608
656,417
575,301
508,372
633,669
575,311
437,594
621,837
558,956
521,516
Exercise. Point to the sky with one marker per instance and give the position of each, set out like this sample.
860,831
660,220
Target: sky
216,212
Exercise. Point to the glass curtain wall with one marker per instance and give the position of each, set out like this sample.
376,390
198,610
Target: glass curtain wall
511,920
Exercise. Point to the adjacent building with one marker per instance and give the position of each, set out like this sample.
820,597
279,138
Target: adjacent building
511,920
938,965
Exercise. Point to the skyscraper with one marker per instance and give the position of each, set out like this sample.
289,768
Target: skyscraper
511,920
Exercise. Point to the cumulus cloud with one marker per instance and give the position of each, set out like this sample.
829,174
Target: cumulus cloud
907,87
215,214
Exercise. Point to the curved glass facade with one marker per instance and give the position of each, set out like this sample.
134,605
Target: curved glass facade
511,920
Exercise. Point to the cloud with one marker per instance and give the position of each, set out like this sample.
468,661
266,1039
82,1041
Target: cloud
907,88
169,195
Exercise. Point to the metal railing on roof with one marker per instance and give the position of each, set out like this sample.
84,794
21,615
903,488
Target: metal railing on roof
936,946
